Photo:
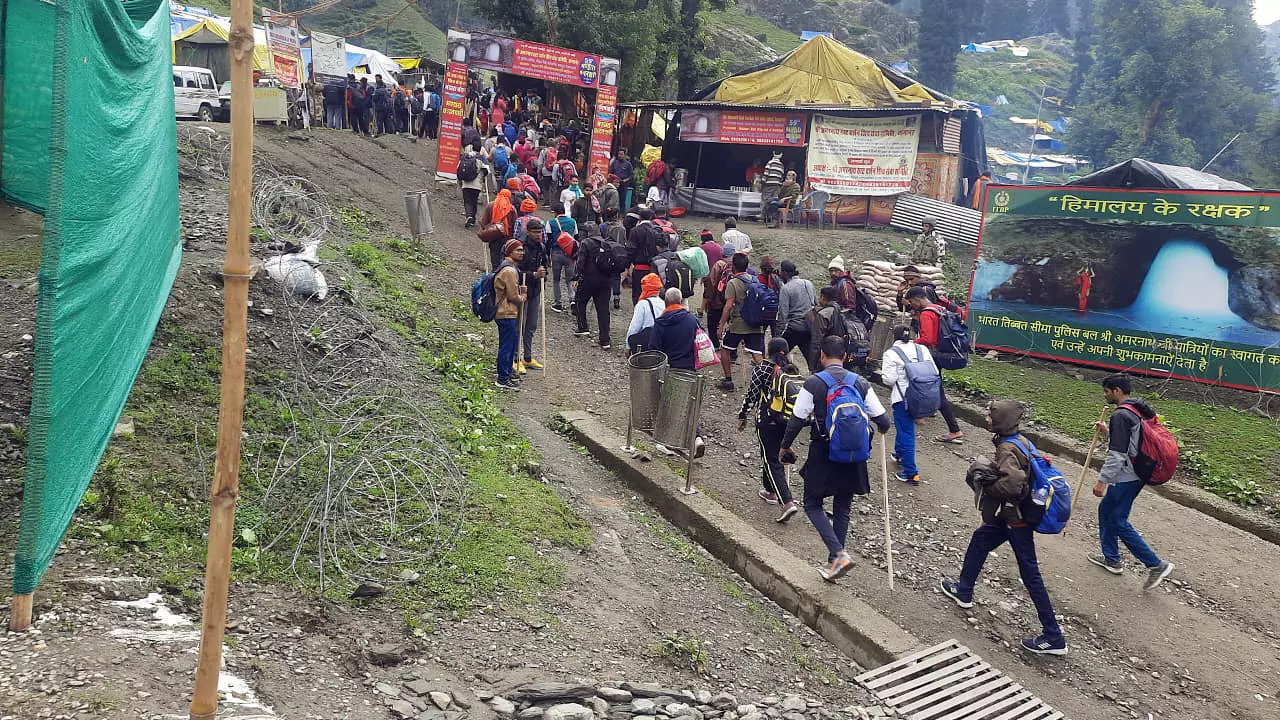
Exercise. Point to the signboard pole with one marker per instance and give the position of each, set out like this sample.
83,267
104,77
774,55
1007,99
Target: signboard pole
697,170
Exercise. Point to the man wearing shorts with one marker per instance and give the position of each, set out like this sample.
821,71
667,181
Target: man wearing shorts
737,331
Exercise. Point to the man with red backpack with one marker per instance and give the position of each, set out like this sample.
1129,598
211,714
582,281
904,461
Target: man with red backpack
1124,473
929,315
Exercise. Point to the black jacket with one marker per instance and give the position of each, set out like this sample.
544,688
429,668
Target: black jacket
584,268
643,240
335,93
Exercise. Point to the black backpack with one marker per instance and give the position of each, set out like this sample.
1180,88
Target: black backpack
468,168
679,275
535,256
857,344
868,310
612,258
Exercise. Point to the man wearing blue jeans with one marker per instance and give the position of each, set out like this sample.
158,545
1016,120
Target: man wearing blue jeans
1000,487
510,295
1119,484
893,370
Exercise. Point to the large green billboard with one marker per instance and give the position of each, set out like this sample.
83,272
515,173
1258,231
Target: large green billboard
1176,283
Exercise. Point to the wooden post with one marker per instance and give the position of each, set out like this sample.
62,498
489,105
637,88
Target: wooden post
542,320
20,612
226,474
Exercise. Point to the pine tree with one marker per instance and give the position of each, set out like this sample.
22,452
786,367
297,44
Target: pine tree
1050,16
943,26
1006,20
1168,84
1083,49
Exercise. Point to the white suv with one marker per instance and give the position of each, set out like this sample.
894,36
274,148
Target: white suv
195,93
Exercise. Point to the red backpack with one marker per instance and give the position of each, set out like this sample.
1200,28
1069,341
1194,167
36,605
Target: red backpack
1157,456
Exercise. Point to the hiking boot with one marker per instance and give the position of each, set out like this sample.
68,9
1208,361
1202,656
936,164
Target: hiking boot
951,589
788,510
912,480
699,448
533,365
726,384
581,332
768,497
1042,645
557,308
1156,575
841,565
1116,568
508,385
471,222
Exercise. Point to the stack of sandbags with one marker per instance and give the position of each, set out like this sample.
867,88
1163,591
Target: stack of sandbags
882,279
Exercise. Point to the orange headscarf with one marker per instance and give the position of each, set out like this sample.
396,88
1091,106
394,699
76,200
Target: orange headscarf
502,209
513,184
650,286
528,206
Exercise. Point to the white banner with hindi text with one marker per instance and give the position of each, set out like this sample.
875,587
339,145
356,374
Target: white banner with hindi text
863,156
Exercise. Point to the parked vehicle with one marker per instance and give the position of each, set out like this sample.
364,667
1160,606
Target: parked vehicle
222,113
195,93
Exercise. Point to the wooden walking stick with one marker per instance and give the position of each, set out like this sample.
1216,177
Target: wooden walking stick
884,478
542,318
226,473
1085,470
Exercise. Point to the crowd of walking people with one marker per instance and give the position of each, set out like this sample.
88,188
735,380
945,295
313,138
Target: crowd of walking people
381,108
767,312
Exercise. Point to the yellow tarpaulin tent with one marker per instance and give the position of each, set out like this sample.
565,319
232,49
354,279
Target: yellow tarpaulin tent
214,29
821,71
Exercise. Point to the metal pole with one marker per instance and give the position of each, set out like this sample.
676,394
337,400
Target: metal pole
226,474
1224,149
1031,151
697,180
692,439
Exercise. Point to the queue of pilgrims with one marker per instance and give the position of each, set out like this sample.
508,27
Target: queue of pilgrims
782,323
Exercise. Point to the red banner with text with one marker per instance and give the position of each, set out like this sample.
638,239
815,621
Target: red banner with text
453,106
602,128
743,127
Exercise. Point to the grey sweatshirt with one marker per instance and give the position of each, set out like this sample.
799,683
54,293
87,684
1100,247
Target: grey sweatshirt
1123,437
795,297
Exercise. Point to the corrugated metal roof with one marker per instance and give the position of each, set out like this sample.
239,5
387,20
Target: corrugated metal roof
957,224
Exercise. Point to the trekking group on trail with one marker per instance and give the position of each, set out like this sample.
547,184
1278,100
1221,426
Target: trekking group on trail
781,322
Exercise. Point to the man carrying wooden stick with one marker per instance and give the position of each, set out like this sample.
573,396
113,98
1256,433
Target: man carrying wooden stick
533,269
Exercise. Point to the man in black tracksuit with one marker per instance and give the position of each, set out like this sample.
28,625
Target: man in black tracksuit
643,239
824,478
593,285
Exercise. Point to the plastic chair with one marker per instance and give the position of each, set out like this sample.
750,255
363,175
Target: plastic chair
814,205
784,211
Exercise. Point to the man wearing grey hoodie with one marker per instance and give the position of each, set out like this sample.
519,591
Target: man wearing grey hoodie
1000,487
1119,484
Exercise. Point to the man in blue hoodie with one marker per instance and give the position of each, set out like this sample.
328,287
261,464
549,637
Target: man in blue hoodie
1118,484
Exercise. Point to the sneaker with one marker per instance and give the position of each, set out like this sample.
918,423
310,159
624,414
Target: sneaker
605,346
520,368
1157,575
471,222
788,511
663,449
581,332
557,308
573,307
726,384
768,497
1101,561
912,480
1042,645
897,461
533,365
952,590
508,385
841,565
699,448
617,305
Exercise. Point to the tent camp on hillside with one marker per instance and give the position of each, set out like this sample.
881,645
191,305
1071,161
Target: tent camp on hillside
858,134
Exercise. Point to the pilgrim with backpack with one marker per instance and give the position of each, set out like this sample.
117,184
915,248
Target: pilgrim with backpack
916,393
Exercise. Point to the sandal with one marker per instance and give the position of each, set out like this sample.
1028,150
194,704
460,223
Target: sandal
947,439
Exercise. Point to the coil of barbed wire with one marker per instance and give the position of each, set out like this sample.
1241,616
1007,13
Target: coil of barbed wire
289,209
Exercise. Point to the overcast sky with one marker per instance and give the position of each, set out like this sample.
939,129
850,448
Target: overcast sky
1266,11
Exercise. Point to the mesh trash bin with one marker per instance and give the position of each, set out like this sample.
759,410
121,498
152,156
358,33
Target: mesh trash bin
678,409
645,373
418,205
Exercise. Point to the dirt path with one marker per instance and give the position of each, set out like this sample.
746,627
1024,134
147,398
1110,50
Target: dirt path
1202,646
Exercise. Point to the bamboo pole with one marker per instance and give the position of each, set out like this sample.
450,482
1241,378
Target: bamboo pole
20,612
542,319
226,474
884,480
1085,470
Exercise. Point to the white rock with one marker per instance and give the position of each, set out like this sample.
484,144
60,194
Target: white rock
440,699
502,706
614,695
568,711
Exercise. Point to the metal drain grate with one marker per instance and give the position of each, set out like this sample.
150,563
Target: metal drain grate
949,682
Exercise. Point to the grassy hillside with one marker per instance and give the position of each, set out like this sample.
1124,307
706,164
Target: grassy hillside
981,78
734,30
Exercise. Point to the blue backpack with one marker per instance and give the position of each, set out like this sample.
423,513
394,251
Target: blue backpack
923,395
1048,507
848,425
954,345
501,159
760,308
484,297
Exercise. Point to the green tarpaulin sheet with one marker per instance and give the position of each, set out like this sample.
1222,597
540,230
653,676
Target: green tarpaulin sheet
90,141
